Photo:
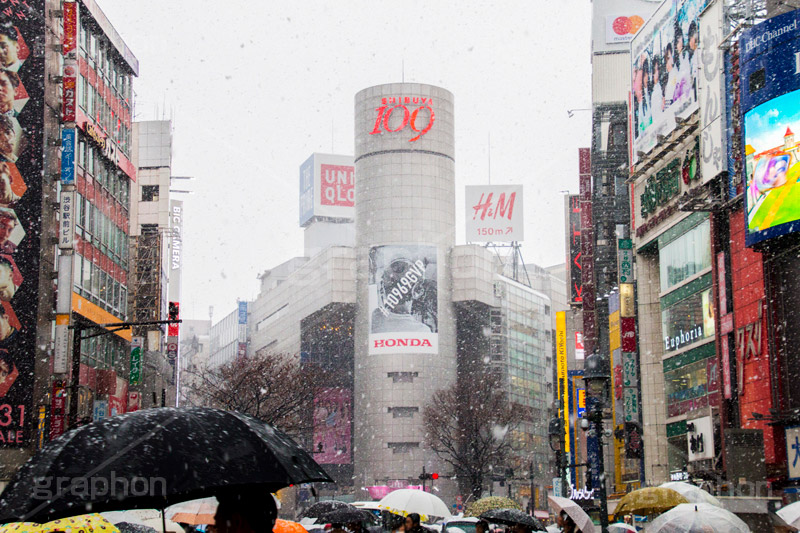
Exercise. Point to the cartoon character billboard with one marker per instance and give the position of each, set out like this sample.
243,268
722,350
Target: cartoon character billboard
771,108
403,295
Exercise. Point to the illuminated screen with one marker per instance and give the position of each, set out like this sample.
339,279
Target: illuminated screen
772,166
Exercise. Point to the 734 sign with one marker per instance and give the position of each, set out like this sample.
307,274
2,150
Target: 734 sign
395,115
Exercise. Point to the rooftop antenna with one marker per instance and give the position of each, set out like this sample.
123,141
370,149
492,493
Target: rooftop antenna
332,149
489,150
403,70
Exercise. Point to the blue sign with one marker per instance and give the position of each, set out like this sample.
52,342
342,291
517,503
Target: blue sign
770,101
307,191
242,312
68,136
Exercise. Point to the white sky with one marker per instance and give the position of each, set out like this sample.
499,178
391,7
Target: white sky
255,87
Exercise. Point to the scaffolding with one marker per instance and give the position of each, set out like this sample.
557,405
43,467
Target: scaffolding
146,297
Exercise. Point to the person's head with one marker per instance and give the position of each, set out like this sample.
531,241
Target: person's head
678,42
7,287
694,36
482,527
519,528
6,329
647,75
9,45
250,512
7,224
9,81
669,59
412,521
336,525
8,135
354,526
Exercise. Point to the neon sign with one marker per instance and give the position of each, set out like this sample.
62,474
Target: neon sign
399,104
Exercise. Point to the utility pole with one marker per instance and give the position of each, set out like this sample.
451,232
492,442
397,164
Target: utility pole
77,337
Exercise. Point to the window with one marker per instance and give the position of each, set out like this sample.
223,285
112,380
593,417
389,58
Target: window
758,80
403,412
402,447
402,377
149,193
686,256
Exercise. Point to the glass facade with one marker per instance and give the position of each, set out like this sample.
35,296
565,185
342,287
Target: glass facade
685,256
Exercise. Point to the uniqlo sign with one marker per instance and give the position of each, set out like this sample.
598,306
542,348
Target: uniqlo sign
337,185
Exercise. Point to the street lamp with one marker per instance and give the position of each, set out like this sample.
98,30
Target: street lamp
556,436
597,377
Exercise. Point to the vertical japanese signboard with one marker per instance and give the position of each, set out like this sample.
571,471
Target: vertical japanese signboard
174,287
136,361
22,28
574,259
58,401
561,362
241,350
69,49
712,100
587,251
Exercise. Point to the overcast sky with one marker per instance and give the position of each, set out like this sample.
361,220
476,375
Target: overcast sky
253,88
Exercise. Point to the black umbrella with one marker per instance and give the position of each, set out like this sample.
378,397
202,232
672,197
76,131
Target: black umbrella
152,459
512,517
346,516
325,507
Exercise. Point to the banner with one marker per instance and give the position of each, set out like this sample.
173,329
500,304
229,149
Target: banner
327,188
403,299
333,416
665,59
574,259
494,213
561,365
22,30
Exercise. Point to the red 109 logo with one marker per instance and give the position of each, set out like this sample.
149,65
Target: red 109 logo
399,105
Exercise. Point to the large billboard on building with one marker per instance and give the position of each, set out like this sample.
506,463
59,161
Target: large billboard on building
22,30
616,22
574,258
494,213
403,299
664,70
333,418
327,187
771,109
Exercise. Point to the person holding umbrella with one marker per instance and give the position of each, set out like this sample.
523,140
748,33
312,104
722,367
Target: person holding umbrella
250,512
412,524
566,523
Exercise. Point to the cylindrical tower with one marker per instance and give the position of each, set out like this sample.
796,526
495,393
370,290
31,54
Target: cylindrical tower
405,334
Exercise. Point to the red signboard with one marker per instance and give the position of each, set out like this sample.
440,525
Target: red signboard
337,186
70,39
69,92
726,367
58,401
574,249
628,331
394,115
134,401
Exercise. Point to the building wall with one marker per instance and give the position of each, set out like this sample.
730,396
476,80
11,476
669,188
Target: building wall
651,347
405,195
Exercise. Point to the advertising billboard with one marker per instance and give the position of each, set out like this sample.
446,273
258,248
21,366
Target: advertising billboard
333,417
403,299
664,71
22,28
574,259
771,108
616,22
327,188
494,213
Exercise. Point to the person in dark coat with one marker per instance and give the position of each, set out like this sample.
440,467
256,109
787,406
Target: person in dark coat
250,512
412,524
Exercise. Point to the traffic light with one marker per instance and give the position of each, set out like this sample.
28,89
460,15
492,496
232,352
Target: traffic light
424,476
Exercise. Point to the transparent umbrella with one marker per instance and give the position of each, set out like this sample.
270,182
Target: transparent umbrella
692,493
698,518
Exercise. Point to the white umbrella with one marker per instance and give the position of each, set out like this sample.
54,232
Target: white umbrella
790,514
193,512
699,517
578,515
692,493
406,501
619,526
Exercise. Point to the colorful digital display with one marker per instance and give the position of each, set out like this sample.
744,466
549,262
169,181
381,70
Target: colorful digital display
665,59
22,77
403,299
333,417
770,91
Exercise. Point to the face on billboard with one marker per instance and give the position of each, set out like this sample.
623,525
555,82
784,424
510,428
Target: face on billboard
664,71
772,166
403,299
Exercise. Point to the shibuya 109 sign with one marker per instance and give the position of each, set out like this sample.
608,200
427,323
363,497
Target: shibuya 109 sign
401,113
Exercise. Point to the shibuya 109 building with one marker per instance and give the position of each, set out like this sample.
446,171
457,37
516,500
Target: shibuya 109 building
391,311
